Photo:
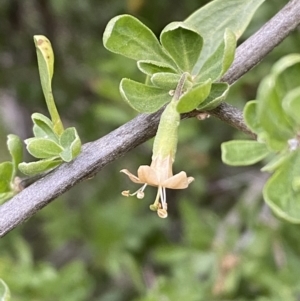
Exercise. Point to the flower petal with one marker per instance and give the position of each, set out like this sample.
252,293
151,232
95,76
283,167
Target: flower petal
147,175
131,176
162,167
178,181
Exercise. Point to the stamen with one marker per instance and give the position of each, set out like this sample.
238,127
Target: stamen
139,193
162,213
125,193
163,197
155,205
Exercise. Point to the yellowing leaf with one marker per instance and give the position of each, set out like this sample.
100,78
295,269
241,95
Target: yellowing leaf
45,58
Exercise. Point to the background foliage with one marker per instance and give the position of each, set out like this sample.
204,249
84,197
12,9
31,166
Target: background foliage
220,241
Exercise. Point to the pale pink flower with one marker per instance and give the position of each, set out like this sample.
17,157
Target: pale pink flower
159,174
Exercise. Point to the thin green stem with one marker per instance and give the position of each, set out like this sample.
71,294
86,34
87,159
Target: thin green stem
180,85
57,123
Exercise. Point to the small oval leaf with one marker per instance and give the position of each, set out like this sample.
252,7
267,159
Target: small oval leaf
33,168
166,81
43,127
15,148
42,148
183,43
276,162
194,97
243,152
128,36
250,116
219,62
151,67
143,98
271,114
285,63
279,192
212,19
291,105
71,143
6,174
218,93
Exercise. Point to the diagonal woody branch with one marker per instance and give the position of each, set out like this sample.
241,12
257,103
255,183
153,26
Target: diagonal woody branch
98,154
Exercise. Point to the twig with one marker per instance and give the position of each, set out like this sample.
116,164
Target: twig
98,154
254,49
231,116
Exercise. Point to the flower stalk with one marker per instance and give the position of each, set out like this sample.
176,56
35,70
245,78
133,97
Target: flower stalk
160,172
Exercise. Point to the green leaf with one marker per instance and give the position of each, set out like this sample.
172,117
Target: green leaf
183,43
276,161
42,148
243,152
71,143
270,116
166,81
279,193
43,127
151,67
219,62
6,196
291,105
250,116
6,173
218,93
128,36
4,291
33,168
45,58
212,19
278,127
194,97
143,98
285,63
14,145
275,124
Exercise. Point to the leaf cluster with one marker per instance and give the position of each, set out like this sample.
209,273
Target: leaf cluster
51,142
47,145
8,170
183,47
275,118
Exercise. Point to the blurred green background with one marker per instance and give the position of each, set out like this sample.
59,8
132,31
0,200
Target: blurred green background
220,241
